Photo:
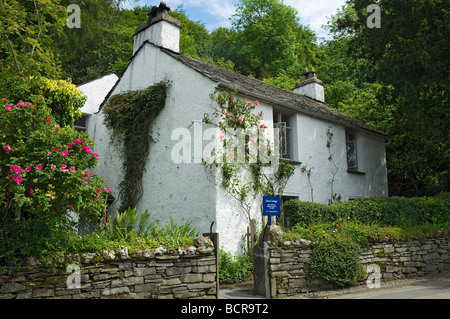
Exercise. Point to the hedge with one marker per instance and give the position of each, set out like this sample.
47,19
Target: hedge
391,211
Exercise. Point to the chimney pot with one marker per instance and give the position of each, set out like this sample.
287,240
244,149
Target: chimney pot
310,85
160,29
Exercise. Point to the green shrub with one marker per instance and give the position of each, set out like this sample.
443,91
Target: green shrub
392,211
307,213
172,233
336,260
233,269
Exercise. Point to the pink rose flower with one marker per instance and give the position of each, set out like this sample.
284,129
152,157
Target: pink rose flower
55,150
31,191
7,148
52,166
39,167
48,119
72,169
107,189
257,102
18,179
96,155
28,169
9,107
221,137
249,103
65,153
252,139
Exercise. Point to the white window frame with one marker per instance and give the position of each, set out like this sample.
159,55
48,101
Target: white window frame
285,133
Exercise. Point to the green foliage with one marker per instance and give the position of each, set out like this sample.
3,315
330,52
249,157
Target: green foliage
130,116
267,30
104,42
44,173
33,236
26,42
392,211
407,55
61,96
245,151
234,268
45,168
336,260
175,234
130,224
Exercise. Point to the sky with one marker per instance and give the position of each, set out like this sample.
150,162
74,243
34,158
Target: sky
216,13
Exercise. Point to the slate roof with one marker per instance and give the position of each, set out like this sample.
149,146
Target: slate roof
264,91
271,93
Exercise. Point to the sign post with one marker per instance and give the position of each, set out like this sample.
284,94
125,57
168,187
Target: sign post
271,207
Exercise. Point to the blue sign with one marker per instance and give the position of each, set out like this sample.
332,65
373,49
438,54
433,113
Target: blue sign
271,206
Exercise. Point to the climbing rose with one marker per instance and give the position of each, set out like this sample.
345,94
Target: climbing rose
39,167
65,153
28,169
7,148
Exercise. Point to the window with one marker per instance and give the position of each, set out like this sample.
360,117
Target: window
80,124
352,155
283,134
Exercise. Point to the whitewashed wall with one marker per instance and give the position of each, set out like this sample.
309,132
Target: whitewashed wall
183,191
170,189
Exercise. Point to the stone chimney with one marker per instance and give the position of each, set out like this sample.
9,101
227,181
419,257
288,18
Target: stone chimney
160,29
310,85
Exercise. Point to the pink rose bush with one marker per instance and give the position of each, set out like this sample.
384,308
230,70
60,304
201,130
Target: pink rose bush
33,146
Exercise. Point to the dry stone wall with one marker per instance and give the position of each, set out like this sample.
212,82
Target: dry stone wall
145,274
285,270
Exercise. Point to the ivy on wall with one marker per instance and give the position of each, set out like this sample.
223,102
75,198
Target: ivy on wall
130,116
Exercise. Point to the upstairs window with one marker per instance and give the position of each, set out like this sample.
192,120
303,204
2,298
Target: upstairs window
283,134
80,124
352,154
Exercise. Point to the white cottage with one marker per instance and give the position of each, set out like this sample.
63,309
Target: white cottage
182,190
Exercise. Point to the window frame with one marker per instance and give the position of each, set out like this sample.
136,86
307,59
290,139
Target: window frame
351,137
281,123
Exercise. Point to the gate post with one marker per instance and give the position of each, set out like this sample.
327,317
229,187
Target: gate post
215,239
261,270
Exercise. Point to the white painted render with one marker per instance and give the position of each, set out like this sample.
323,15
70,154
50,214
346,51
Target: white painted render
162,33
313,90
96,91
182,190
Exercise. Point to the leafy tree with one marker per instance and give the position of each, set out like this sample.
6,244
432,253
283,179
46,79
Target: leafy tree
44,167
103,43
408,54
267,30
27,31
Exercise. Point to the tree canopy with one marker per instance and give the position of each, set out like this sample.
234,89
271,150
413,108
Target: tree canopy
395,78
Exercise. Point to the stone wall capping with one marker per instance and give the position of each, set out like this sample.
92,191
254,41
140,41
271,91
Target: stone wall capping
141,274
283,265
